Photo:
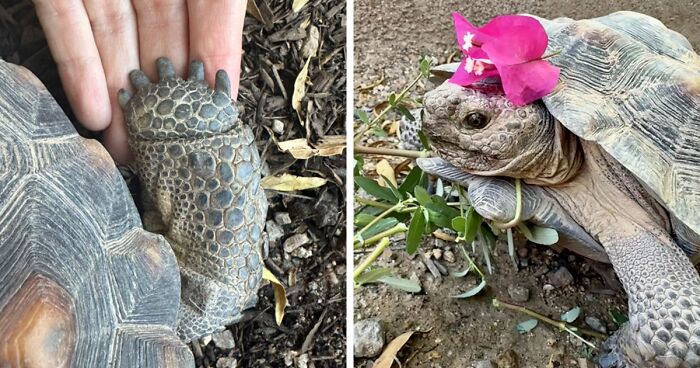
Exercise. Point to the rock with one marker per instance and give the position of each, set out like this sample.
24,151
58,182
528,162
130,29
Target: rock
519,294
278,127
282,218
223,339
507,359
547,287
274,231
596,324
484,364
226,363
369,338
561,277
448,256
437,253
295,241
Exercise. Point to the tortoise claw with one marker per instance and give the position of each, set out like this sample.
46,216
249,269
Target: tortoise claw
196,71
123,97
165,68
139,79
222,83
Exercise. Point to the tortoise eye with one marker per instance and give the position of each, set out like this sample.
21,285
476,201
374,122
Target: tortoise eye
476,120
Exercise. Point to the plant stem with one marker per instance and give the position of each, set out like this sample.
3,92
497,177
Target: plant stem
398,228
377,118
518,209
391,152
372,203
383,244
559,324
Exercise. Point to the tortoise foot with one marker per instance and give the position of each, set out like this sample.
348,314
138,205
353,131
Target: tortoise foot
612,356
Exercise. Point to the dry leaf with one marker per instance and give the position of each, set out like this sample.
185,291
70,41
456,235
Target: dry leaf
385,170
300,87
327,146
290,183
298,4
280,295
387,358
252,9
310,46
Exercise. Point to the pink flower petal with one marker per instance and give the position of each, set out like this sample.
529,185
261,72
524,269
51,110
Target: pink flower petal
528,82
514,39
462,27
463,78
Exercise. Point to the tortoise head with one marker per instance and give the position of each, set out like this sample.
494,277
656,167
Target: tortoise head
480,131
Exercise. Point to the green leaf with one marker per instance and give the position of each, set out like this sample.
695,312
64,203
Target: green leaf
618,317
538,234
372,275
415,231
359,164
571,315
392,100
526,326
422,196
389,184
378,132
373,188
423,139
404,111
381,225
362,219
424,67
411,180
511,246
411,286
470,226
362,114
471,292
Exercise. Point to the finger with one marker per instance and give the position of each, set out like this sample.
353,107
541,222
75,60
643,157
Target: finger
114,29
67,29
162,30
115,141
216,32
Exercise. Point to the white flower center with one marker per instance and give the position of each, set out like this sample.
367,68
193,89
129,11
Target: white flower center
477,66
468,41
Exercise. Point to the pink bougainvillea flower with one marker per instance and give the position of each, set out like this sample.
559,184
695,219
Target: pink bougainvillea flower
511,47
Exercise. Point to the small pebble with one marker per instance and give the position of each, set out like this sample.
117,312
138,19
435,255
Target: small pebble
223,339
278,127
547,287
596,324
226,363
484,364
437,253
296,241
507,359
448,256
274,231
561,277
519,294
282,218
369,338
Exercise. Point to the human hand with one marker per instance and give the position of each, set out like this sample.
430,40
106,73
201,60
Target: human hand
96,43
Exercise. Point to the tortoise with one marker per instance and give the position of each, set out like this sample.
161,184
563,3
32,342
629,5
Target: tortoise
200,173
82,284
609,159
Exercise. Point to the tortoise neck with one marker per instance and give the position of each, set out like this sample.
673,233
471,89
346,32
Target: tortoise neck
555,162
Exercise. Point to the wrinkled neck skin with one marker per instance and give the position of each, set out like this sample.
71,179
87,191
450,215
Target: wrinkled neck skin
606,199
556,160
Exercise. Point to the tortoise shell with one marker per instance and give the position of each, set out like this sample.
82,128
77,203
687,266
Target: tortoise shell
633,86
81,283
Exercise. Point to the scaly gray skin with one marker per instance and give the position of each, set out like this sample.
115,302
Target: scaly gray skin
200,168
577,188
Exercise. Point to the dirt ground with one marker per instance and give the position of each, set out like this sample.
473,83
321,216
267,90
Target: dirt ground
313,331
390,37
